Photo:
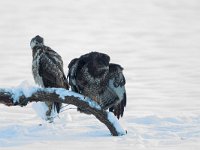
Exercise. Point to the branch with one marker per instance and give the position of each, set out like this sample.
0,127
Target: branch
21,97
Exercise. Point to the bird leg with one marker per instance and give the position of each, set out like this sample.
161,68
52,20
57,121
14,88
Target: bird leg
49,111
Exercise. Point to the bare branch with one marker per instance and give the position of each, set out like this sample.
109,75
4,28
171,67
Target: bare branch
13,97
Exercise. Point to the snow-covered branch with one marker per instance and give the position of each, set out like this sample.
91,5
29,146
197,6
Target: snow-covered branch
21,97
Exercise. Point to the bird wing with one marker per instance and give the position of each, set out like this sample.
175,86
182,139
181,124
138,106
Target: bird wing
51,70
117,84
73,65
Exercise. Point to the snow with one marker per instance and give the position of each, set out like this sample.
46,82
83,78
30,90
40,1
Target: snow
112,118
41,109
157,44
62,93
23,89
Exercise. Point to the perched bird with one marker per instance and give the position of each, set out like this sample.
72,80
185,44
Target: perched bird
47,69
92,75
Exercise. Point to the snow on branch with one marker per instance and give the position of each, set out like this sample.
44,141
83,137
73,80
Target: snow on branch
21,97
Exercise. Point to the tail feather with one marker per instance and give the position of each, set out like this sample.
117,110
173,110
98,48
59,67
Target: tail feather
118,109
57,106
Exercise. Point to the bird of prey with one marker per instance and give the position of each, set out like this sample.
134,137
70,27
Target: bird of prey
47,69
94,76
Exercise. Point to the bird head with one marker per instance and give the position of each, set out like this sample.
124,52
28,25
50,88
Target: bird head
98,63
37,41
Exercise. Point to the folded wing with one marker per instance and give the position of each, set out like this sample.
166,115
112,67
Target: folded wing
117,84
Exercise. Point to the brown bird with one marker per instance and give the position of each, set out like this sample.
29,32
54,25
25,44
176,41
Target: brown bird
92,75
47,69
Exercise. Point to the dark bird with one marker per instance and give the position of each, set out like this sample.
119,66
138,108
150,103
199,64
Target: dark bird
47,69
92,75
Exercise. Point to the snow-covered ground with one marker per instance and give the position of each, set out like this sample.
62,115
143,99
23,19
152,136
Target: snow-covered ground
157,43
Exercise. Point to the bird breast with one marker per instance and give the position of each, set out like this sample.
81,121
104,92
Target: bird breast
35,69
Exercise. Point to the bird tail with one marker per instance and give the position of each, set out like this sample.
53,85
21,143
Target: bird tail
118,109
53,110
57,107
